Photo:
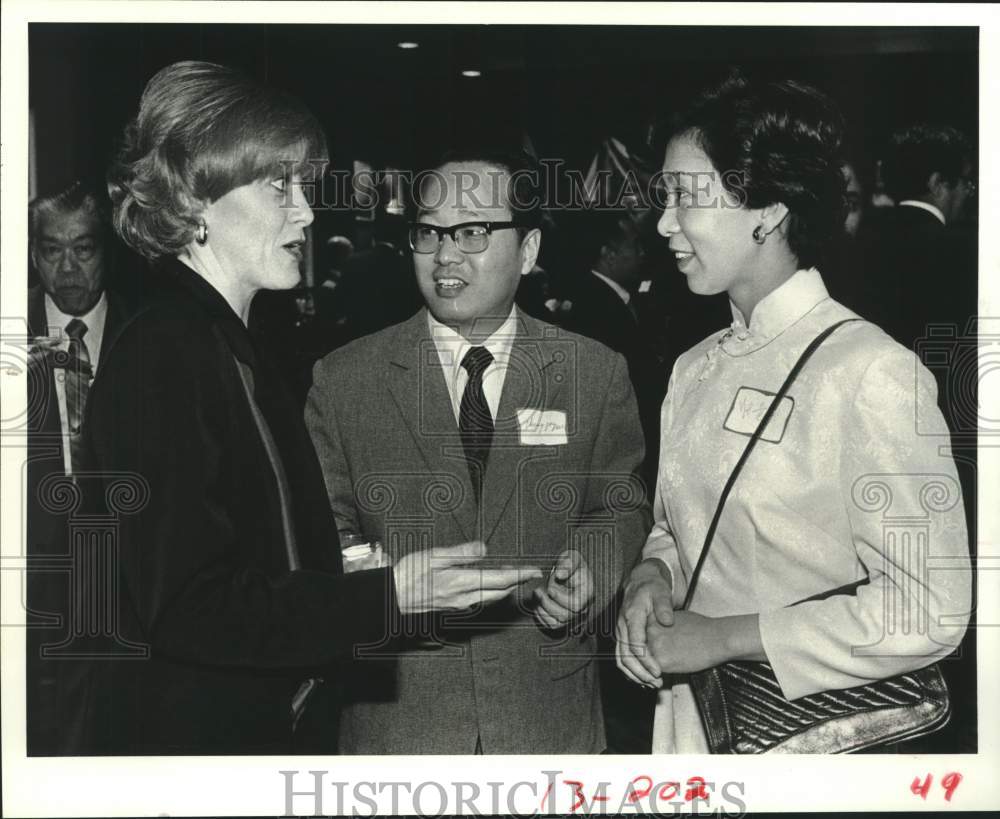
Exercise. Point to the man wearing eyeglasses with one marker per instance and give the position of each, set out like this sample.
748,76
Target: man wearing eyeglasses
71,321
472,421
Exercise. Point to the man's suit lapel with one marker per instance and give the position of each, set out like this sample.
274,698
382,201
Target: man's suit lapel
528,384
36,312
46,441
417,384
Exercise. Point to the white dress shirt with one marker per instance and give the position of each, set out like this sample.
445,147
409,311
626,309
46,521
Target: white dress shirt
452,347
927,206
623,294
56,321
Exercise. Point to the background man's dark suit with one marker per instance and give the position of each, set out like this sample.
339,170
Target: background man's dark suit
53,686
917,272
598,312
376,290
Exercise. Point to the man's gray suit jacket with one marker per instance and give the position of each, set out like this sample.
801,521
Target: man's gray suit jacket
561,474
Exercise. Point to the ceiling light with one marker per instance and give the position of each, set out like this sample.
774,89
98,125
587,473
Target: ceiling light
471,72
407,45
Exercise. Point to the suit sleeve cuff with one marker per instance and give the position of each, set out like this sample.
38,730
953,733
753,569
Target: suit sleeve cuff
371,595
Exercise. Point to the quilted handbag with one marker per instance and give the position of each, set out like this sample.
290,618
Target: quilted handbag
741,705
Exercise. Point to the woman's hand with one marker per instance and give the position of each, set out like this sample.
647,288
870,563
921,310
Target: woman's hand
446,579
695,642
648,601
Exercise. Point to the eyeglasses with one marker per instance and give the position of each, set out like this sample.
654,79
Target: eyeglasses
469,237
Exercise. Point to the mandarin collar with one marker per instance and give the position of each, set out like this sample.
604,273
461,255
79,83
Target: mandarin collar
776,312
195,286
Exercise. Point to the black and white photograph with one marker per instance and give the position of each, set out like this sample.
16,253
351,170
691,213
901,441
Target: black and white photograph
604,393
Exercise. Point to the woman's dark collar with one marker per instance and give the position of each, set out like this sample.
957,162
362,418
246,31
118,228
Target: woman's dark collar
213,302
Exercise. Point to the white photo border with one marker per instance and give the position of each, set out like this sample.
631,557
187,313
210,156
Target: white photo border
254,785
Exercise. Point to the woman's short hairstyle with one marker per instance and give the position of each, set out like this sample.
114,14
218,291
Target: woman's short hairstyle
775,142
201,131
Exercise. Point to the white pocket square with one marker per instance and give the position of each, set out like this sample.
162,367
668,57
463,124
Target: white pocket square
542,427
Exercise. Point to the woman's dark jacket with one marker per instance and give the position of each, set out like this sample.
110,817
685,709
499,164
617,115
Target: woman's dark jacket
203,567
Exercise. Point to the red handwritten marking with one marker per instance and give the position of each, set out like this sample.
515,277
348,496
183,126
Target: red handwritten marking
921,789
949,783
636,795
578,792
674,789
548,790
698,791
642,785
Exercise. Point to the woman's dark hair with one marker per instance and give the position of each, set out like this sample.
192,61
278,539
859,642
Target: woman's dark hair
775,142
201,131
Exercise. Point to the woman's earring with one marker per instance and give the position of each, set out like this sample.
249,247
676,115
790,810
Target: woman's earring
758,235
201,234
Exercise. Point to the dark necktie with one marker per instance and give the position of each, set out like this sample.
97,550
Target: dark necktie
475,423
77,383
633,308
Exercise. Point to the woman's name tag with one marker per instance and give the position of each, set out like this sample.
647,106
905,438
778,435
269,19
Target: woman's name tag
748,410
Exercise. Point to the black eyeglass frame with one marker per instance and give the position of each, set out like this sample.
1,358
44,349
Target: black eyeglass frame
449,231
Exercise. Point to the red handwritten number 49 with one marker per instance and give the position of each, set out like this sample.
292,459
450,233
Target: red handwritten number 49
949,783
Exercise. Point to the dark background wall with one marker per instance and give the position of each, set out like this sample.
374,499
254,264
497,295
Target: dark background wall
568,87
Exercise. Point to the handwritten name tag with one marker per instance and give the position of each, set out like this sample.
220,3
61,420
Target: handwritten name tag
748,411
542,427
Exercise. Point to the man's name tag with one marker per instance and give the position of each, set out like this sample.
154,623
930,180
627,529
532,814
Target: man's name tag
748,411
541,427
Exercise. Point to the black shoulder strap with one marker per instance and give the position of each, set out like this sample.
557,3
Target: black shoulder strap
806,355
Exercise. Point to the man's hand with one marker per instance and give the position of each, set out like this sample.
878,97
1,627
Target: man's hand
648,600
567,592
695,642
442,579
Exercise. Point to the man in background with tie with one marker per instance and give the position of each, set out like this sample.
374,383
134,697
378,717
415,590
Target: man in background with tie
71,320
472,421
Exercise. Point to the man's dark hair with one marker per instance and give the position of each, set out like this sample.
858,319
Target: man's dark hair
916,152
524,194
